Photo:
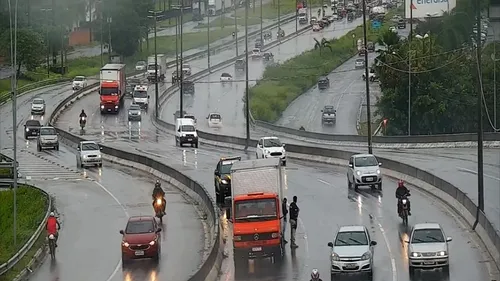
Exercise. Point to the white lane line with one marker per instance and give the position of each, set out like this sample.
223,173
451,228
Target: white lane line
475,173
126,213
325,182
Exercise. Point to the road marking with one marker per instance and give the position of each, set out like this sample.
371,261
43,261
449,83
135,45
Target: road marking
322,181
475,173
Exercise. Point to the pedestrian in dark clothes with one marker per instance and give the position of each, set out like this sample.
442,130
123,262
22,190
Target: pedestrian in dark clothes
294,216
284,209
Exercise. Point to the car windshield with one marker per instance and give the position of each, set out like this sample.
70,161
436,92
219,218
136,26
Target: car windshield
109,91
427,236
323,80
252,209
214,116
141,63
190,117
351,238
48,132
152,67
365,161
33,123
89,146
135,107
37,101
186,67
187,128
225,168
226,75
360,61
256,50
137,227
272,143
329,110
140,94
79,78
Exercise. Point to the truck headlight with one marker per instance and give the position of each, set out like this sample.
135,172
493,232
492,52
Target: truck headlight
224,181
237,238
378,172
116,106
442,253
358,173
99,156
139,113
102,106
27,129
415,254
152,243
366,256
275,235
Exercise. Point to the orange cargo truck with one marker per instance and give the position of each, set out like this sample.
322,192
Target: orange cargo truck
257,190
112,88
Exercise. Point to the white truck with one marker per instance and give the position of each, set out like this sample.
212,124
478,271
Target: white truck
162,67
218,7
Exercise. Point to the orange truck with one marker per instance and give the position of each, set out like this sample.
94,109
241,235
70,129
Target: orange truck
112,88
257,192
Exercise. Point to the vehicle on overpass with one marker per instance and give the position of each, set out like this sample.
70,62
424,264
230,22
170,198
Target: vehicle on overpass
240,65
323,83
161,67
352,252
222,178
88,154
113,87
141,239
79,82
364,170
371,75
359,63
257,193
226,77
186,69
328,115
214,120
271,147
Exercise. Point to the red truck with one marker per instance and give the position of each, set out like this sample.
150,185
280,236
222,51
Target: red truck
112,88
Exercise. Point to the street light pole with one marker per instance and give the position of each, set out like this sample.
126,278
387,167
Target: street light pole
48,40
410,39
247,88
176,47
208,39
181,63
261,39
102,24
235,29
367,82
109,20
494,58
279,19
157,105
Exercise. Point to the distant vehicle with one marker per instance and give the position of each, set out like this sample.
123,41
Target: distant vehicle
226,77
364,169
323,83
214,120
361,51
258,43
302,16
401,24
153,68
268,56
370,46
89,153
141,239
269,147
141,65
176,78
313,20
393,29
359,63
47,138
428,248
267,35
371,75
141,97
185,132
256,53
134,113
79,82
113,87
352,252
131,83
317,27
192,117
240,65
31,128
186,68
328,115
38,107
222,178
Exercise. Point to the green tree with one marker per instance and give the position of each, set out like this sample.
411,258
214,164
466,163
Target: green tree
30,48
321,45
388,39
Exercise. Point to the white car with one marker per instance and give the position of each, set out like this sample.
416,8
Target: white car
214,120
352,251
225,77
38,107
359,63
393,29
428,247
79,82
141,66
186,68
134,113
89,153
269,147
256,53
316,27
364,169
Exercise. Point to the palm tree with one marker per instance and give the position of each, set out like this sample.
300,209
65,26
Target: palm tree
322,45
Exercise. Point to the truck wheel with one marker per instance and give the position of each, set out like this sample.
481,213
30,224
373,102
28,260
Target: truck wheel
38,147
196,145
57,147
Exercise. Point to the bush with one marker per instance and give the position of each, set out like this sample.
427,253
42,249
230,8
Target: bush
282,84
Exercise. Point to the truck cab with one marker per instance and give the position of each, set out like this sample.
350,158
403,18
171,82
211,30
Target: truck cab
257,191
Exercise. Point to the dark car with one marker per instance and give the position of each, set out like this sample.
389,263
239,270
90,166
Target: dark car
188,87
323,83
313,20
370,46
328,115
240,65
31,128
267,35
268,56
258,43
175,77
222,178
401,24
141,239
361,51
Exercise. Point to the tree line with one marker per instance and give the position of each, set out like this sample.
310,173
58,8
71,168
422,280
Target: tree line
444,77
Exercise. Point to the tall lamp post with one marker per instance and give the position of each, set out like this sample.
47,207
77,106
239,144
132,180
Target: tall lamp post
208,38
493,57
367,81
235,29
261,39
109,20
247,102
153,15
410,39
181,60
46,11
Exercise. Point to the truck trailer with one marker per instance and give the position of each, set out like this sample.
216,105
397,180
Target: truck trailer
113,87
162,67
257,192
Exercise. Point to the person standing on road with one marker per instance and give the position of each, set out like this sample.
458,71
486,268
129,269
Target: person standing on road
294,215
284,209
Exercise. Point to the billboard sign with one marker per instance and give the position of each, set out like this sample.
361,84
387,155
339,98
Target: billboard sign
426,8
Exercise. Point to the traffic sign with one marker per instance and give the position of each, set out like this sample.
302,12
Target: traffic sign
376,24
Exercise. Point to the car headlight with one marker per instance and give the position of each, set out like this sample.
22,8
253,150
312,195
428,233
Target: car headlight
358,173
125,244
237,238
378,172
152,243
116,106
442,253
224,181
335,257
266,151
275,235
102,106
416,255
99,156
27,129
366,256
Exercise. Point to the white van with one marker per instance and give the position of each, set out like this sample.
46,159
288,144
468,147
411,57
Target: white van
185,132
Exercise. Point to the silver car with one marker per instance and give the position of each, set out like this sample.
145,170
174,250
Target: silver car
38,107
364,170
89,153
428,247
134,113
352,251
359,63
48,138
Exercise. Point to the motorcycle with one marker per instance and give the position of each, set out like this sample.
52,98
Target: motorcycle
159,208
52,246
83,122
404,212
281,34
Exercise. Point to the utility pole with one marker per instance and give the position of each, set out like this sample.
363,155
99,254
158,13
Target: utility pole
494,58
157,107
261,38
46,11
279,19
480,174
176,47
110,20
410,40
208,39
181,63
235,29
102,24
296,19
367,82
247,102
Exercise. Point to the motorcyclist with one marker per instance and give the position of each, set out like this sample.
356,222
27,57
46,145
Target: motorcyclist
302,128
83,114
234,34
315,275
158,192
53,226
401,192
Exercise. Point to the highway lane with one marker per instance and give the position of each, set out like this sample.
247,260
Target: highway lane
227,98
324,200
95,203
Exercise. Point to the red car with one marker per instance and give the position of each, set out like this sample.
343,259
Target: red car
141,239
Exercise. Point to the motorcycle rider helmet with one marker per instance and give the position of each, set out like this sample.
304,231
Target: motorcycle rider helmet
401,183
158,183
315,274
52,214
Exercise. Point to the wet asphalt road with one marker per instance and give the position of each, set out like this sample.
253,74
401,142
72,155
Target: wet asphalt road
94,204
323,196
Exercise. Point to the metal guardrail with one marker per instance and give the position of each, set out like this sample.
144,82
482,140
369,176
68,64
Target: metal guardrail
4,96
22,252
